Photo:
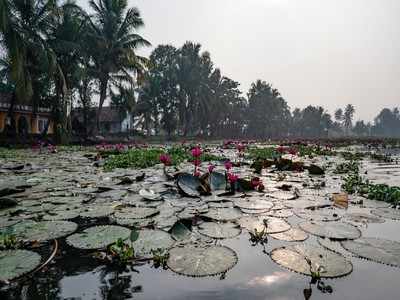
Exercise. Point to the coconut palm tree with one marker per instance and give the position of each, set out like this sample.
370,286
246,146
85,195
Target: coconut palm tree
114,40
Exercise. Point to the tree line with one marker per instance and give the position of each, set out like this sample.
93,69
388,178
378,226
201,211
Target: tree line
56,55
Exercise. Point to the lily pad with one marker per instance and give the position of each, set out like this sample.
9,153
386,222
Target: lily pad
97,211
334,246
252,223
388,213
292,235
378,250
217,181
189,185
152,240
223,214
363,218
201,261
132,212
251,203
98,237
282,213
276,225
295,258
149,195
219,230
323,214
15,263
332,230
42,231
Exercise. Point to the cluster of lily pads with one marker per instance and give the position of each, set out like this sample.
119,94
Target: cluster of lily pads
178,215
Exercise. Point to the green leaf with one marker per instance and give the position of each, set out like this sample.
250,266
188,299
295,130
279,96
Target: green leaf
134,235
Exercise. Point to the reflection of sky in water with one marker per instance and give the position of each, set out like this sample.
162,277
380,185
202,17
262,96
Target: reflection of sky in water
268,280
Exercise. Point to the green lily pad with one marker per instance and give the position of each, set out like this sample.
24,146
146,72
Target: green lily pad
363,218
152,240
149,195
295,258
97,211
388,213
378,250
251,203
323,214
292,235
281,213
223,214
188,185
98,237
332,230
15,263
132,212
201,261
219,230
276,225
42,231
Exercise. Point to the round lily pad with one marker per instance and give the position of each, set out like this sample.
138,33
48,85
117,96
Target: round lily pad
378,250
292,235
98,237
276,225
42,231
251,203
282,213
282,195
62,215
188,185
217,181
135,212
363,218
97,211
323,214
223,214
332,230
334,246
388,213
149,195
15,263
330,264
219,230
201,261
152,240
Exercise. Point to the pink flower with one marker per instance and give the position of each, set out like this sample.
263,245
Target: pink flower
292,151
240,147
211,168
196,174
281,149
165,159
196,152
228,165
260,187
197,162
232,178
255,182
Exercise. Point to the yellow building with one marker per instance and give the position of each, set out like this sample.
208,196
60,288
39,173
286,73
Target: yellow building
26,122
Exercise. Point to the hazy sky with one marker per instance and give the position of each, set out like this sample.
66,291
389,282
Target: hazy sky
318,52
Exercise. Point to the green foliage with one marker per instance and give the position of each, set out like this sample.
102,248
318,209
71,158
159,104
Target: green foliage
160,258
8,241
263,153
258,237
347,167
148,157
313,150
121,252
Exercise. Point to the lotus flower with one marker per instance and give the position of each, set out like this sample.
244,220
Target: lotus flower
228,165
196,152
165,159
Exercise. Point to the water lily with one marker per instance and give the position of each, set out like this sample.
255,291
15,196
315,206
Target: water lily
165,159
228,165
197,162
211,168
232,178
255,182
196,152
240,147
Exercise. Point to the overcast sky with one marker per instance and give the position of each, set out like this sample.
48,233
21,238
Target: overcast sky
318,52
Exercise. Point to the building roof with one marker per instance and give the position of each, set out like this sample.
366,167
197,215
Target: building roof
5,103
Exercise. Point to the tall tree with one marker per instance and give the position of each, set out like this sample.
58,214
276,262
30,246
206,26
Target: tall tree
115,40
348,117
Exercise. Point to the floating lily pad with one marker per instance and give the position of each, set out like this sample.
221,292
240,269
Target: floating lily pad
97,211
179,231
188,185
282,195
98,237
251,203
42,231
295,257
201,261
15,263
323,214
5,222
219,230
388,213
363,218
276,225
332,230
217,181
334,246
62,215
282,213
152,240
292,235
252,223
132,212
378,250
223,214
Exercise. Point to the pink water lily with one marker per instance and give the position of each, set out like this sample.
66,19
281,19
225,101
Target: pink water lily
211,168
196,152
232,178
165,159
228,165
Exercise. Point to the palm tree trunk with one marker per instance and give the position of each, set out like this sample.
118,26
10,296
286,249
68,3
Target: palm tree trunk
103,96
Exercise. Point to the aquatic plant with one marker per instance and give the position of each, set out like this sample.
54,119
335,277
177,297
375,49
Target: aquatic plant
160,258
9,241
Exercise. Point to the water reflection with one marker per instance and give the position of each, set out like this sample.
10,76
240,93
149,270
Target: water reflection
267,280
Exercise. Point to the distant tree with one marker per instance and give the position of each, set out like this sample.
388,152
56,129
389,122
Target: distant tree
311,122
361,129
387,123
348,117
339,115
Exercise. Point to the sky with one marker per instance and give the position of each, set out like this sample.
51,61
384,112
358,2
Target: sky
318,52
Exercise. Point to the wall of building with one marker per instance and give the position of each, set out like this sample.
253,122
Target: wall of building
32,121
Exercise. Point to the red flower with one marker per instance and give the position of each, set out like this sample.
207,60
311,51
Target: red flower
165,159
196,174
255,182
232,178
281,149
196,152
211,168
197,162
292,151
240,147
228,165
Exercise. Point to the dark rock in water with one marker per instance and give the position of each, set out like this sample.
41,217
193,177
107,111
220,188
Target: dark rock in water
7,203
315,170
